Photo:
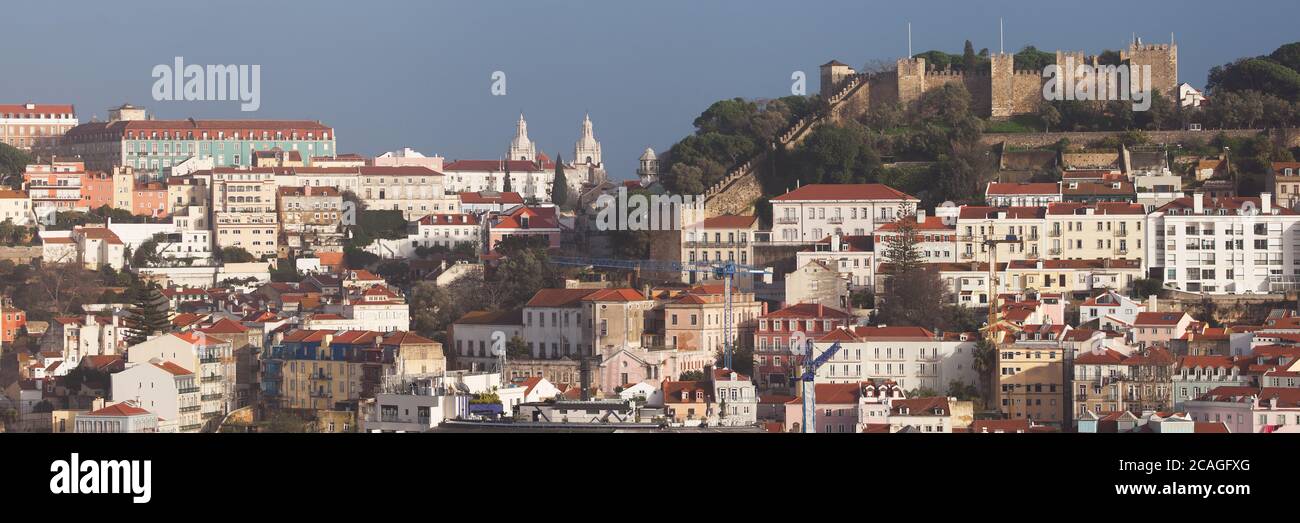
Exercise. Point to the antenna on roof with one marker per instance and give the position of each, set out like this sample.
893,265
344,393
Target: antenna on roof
909,39
1001,46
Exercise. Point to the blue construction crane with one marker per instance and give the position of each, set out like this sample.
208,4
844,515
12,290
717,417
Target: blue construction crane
809,385
725,271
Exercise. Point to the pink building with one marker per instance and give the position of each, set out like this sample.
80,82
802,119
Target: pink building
837,408
525,221
1249,409
774,361
150,199
1151,328
96,189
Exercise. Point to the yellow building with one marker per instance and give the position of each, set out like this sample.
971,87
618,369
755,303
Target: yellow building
977,224
1031,375
1103,230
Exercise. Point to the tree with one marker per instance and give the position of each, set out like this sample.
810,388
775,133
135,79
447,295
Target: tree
147,315
902,249
517,348
985,362
232,254
1048,114
560,186
54,289
1143,287
692,375
969,60
13,162
963,391
147,254
505,183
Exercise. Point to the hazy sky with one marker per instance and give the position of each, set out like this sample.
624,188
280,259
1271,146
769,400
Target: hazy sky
387,74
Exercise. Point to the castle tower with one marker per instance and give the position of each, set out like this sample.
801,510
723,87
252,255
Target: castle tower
1002,70
587,150
521,148
833,73
649,169
1163,60
911,80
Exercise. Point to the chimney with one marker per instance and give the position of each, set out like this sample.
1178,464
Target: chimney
1151,303
920,216
1266,203
1198,203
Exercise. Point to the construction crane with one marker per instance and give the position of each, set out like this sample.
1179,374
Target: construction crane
725,271
991,242
808,383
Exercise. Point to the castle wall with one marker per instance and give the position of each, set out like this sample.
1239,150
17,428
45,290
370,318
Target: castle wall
1163,59
1026,92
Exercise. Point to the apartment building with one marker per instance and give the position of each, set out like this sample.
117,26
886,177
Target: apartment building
1026,194
1077,231
130,138
16,208
913,357
976,225
56,186
1195,376
696,319
1284,182
310,218
813,212
851,256
1032,380
163,388
210,358
1225,245
936,238
777,339
717,239
567,323
1107,381
35,128
472,338
244,210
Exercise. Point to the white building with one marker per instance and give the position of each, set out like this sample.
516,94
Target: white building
852,256
912,357
210,358
1029,194
163,388
1225,245
1111,310
16,208
813,212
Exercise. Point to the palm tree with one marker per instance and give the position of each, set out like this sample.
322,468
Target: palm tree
985,355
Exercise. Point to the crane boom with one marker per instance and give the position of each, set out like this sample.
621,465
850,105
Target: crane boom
809,385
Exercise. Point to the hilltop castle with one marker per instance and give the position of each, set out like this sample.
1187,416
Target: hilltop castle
1001,92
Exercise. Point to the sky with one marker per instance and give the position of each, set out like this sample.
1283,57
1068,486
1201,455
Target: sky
388,74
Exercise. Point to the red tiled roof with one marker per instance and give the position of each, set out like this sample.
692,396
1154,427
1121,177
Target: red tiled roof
807,310
847,191
491,198
173,368
730,221
119,409
1159,318
1005,188
558,297
614,295
969,212
400,338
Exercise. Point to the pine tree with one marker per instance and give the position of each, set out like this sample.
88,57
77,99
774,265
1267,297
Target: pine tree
901,249
505,186
968,59
147,315
559,186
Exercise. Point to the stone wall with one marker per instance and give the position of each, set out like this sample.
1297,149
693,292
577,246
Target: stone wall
20,254
1036,140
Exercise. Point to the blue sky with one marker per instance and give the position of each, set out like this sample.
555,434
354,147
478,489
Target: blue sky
388,74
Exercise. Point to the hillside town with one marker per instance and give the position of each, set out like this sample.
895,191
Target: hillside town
979,261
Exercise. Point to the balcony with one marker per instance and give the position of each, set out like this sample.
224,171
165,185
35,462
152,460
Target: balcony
322,377
211,379
188,428
188,390
212,359
1033,255
1054,233
1120,232
1032,238
835,219
967,255
190,408
1054,252
210,397
210,415
1121,252
786,220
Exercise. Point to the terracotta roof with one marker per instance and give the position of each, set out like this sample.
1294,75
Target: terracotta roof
807,310
1230,204
506,317
848,191
21,109
1159,318
615,295
969,212
918,406
1098,209
558,297
119,409
225,326
1005,188
673,391
730,221
515,166
931,223
173,368
400,338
